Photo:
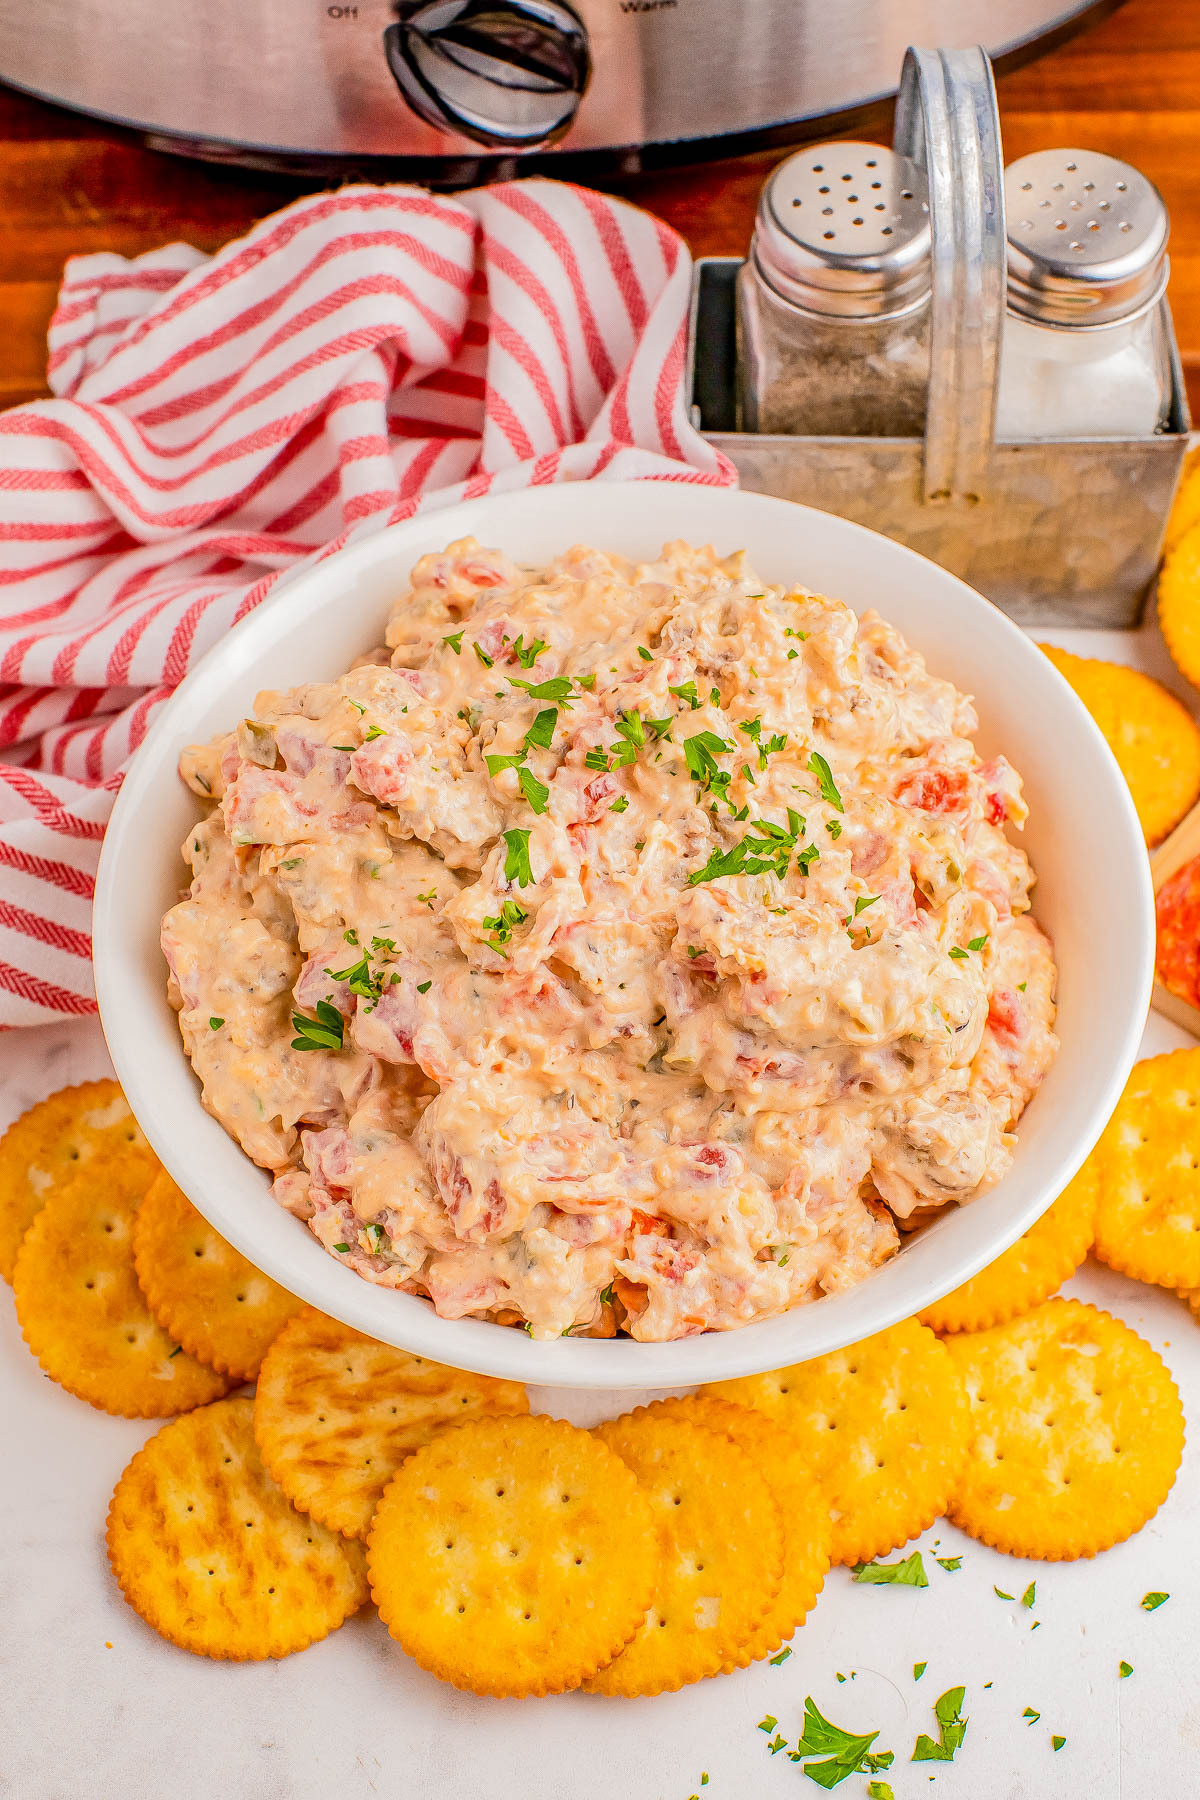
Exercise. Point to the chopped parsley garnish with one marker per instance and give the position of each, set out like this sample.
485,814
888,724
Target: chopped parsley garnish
843,1753
768,1724
378,943
824,774
951,1564
606,1295
423,987
878,1790
1021,986
1030,1594
1124,1669
863,901
516,864
918,1670
500,925
788,632
293,862
215,1024
426,900
373,732
1030,1715
359,978
958,955
714,694
349,748
540,735
1002,1596
687,691
378,1237
1151,1602
768,852
527,654
322,1033
488,662
535,791
1056,1743
351,936
834,828
644,653
699,753
977,943
952,1729
341,1249
509,760
909,1573
620,804
455,641
586,682
558,688
791,656
597,758
781,1658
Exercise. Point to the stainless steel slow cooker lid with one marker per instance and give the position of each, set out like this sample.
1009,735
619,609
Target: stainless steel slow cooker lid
448,90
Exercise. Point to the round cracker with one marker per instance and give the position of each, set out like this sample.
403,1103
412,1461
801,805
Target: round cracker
807,1531
1077,1432
1148,1174
1030,1270
883,1427
82,1312
513,1556
1179,601
212,1553
201,1290
720,1562
52,1143
1152,735
337,1413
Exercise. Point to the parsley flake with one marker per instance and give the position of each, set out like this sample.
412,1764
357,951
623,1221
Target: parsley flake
952,1729
834,828
540,735
488,662
536,792
1002,1596
455,641
1030,1715
1151,1602
1124,1669
620,804
918,1670
958,955
321,1033
844,1753
768,1724
862,903
824,774
1030,1594
951,1564
425,900
783,1656
644,653
500,925
908,1573
423,987
878,1790
373,732
1056,1743
558,688
527,654
341,1249
687,691
516,864
215,1024
977,943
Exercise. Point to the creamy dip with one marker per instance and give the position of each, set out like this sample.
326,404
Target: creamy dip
626,947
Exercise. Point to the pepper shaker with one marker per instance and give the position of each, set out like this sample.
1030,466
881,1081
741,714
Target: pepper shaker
833,300
1085,349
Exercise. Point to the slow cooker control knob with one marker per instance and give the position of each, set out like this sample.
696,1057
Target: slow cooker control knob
506,73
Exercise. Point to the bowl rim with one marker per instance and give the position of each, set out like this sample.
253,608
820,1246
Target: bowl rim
408,1321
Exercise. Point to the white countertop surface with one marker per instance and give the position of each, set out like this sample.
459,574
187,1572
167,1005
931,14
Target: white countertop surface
94,1706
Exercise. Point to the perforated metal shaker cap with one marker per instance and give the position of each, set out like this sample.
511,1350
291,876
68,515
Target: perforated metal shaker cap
844,229
1087,239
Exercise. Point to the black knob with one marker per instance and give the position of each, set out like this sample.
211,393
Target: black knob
503,72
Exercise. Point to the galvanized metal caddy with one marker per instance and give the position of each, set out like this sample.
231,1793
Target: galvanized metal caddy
1064,532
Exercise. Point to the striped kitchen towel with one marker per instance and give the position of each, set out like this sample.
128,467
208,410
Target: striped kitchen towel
216,420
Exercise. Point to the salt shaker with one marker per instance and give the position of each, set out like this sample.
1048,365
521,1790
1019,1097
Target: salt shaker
833,299
1085,350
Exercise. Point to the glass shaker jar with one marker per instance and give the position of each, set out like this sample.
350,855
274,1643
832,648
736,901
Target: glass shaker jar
1085,351
833,299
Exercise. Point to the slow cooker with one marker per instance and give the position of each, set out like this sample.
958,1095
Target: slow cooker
453,90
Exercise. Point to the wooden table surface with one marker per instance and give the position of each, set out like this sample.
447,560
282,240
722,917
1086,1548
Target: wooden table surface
1129,86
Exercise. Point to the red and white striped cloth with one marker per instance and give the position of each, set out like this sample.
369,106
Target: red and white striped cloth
356,357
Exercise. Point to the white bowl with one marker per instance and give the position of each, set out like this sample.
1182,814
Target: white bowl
1093,896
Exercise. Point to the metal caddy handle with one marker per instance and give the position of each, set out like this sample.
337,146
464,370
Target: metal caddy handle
948,122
